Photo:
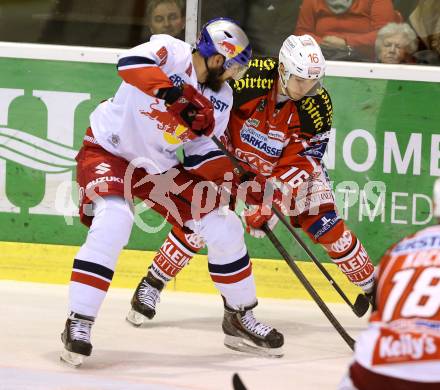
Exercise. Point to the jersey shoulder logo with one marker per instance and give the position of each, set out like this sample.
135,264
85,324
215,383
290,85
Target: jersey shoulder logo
162,53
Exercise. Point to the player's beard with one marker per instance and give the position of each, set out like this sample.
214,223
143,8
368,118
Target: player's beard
213,79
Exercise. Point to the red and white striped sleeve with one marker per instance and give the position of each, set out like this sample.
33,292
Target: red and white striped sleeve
141,66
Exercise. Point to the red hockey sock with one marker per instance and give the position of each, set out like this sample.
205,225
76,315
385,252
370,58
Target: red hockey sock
177,250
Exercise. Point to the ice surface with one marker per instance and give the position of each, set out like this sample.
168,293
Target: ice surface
182,348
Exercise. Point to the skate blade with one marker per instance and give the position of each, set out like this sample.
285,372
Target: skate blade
71,358
242,345
135,318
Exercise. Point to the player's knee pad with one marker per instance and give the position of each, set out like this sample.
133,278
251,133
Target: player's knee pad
109,232
223,234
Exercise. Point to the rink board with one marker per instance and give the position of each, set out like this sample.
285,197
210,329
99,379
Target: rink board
53,264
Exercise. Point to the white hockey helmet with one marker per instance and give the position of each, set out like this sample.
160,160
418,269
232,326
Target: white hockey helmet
224,36
301,56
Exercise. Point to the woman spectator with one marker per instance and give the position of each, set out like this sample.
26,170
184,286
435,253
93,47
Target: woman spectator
396,43
345,29
166,17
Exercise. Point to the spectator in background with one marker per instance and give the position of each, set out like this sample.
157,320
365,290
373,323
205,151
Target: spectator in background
405,7
167,17
396,43
425,19
268,23
345,29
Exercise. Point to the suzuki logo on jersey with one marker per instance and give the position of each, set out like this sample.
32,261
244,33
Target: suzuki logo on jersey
102,168
261,141
104,179
218,104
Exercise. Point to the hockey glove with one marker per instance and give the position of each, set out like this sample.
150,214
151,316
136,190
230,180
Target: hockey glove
190,107
255,217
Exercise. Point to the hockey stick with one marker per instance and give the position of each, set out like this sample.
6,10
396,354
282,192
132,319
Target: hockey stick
305,282
237,383
361,305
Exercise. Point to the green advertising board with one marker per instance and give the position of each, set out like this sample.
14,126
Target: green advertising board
382,161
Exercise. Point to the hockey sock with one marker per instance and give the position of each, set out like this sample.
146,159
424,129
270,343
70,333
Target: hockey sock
174,254
348,253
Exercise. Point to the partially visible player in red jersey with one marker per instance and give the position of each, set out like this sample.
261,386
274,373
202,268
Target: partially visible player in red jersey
278,129
400,350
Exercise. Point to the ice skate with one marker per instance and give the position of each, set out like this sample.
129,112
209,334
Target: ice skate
145,298
245,334
76,339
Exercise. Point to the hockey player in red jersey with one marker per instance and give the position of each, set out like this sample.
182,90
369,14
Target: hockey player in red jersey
400,350
171,95
278,129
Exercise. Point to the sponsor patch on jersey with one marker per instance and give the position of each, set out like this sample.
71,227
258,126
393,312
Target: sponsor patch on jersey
402,347
418,243
177,80
104,179
114,139
261,142
162,53
252,122
316,151
324,224
257,163
218,104
321,137
276,135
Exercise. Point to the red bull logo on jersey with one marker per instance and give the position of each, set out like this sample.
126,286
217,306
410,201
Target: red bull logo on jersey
174,131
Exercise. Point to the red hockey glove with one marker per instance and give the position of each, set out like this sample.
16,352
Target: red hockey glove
254,188
255,217
190,107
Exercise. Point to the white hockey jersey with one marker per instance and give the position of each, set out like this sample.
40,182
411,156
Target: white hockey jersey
135,125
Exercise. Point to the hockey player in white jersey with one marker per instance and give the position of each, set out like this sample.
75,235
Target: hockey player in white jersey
170,95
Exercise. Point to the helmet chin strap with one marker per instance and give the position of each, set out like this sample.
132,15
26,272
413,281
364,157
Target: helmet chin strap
283,91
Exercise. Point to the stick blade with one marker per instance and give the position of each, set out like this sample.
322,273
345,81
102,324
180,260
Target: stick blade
237,383
361,305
